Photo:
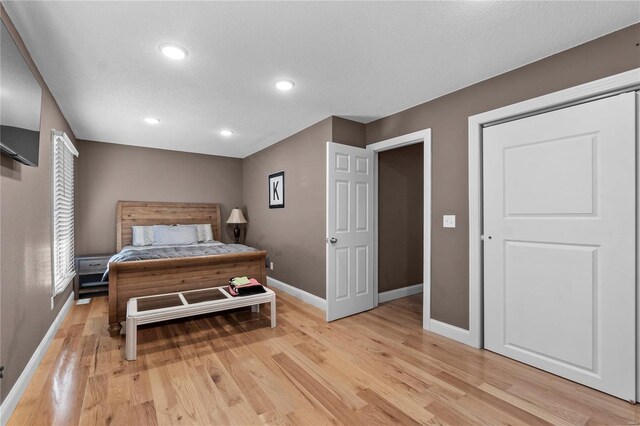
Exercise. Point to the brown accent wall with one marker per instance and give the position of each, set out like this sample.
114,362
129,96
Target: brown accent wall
295,236
447,117
400,209
347,132
25,241
110,172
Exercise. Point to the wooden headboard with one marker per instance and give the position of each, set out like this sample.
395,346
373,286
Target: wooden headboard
129,213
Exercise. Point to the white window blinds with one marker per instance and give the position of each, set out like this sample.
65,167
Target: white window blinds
63,157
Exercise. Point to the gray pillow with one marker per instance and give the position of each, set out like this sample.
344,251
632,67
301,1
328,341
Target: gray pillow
164,235
205,232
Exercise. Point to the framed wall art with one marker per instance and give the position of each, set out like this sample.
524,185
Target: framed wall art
276,190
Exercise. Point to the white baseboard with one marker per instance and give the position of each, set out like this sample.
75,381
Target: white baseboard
399,292
11,401
309,298
451,331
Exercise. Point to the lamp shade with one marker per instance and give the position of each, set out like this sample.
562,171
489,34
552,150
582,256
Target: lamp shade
236,216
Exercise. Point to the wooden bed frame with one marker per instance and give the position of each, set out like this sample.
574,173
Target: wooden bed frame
149,277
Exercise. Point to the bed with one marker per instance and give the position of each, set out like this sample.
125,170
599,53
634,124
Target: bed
157,276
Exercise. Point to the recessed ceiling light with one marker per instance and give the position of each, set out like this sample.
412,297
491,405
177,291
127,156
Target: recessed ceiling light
285,85
151,120
173,51
226,132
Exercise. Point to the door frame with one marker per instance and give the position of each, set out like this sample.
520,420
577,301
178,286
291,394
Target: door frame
424,137
609,86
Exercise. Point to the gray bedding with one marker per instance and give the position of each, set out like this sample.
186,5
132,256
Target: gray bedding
171,252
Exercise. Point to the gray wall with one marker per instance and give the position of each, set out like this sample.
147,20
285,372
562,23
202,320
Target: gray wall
400,209
25,242
110,172
447,117
295,236
347,132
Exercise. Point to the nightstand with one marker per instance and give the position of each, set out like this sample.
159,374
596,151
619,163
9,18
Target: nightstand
89,271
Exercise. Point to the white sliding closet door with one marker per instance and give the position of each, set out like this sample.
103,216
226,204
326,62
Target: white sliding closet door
559,247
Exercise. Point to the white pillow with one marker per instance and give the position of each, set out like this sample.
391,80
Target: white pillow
167,235
142,235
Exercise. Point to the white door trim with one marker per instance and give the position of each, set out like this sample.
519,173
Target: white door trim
616,83
424,137
637,246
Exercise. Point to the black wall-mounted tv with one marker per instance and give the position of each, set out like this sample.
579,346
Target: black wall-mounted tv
20,104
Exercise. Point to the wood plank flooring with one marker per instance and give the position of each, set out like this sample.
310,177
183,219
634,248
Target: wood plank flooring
378,367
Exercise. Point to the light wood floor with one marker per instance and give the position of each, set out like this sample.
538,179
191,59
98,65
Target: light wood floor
379,367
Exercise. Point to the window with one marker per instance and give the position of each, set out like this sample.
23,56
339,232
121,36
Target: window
63,157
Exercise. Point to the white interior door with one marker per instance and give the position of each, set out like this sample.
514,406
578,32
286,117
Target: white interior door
559,242
349,230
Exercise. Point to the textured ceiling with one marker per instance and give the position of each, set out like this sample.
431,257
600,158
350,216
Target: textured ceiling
359,60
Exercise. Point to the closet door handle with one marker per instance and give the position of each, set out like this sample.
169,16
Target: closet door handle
333,240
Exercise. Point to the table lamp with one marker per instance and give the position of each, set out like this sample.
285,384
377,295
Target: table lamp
236,218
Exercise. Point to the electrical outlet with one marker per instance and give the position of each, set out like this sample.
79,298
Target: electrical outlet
271,266
449,221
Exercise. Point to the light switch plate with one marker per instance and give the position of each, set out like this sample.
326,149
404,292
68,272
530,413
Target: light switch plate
449,221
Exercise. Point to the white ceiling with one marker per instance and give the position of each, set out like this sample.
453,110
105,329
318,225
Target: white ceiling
359,60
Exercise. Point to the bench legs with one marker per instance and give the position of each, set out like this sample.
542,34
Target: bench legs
131,339
256,308
273,312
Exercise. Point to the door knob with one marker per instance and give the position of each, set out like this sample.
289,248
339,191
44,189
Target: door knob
333,240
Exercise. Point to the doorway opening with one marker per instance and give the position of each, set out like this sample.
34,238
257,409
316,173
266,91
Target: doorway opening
402,218
400,226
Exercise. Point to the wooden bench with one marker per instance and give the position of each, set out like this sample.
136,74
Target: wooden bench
162,307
